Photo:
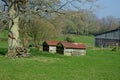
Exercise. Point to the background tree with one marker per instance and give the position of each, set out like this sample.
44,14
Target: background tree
40,30
77,22
108,23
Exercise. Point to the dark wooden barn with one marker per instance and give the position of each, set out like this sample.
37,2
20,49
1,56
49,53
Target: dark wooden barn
108,39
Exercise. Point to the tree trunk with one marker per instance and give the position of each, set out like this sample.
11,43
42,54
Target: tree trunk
13,35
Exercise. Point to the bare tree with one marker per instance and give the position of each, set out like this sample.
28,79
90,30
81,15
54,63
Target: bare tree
13,8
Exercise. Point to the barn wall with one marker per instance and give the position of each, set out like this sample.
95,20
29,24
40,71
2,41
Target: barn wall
74,52
109,39
52,49
110,35
99,42
67,52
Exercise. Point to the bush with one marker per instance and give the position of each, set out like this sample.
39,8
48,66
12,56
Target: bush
3,51
69,39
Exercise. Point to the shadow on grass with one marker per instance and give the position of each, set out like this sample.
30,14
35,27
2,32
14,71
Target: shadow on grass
36,52
3,51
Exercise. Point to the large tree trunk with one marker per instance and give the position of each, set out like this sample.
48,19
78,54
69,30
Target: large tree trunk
13,36
14,48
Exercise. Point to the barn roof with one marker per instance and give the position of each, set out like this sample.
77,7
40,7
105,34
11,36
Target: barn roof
51,42
108,31
73,45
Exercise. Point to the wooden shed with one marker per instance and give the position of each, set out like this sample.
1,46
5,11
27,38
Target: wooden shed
71,49
108,39
50,46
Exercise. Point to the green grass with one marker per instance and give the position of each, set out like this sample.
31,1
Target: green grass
3,44
3,34
85,39
96,65
78,38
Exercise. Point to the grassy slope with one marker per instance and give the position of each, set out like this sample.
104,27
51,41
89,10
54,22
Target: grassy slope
80,38
88,40
104,65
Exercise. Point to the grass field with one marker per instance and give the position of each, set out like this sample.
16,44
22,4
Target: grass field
98,64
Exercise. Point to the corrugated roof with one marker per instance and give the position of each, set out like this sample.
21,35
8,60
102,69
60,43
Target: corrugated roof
108,31
66,44
52,43
73,45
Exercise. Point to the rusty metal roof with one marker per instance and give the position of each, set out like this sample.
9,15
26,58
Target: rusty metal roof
52,42
66,44
73,45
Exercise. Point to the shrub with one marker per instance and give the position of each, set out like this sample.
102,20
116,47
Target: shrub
69,39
